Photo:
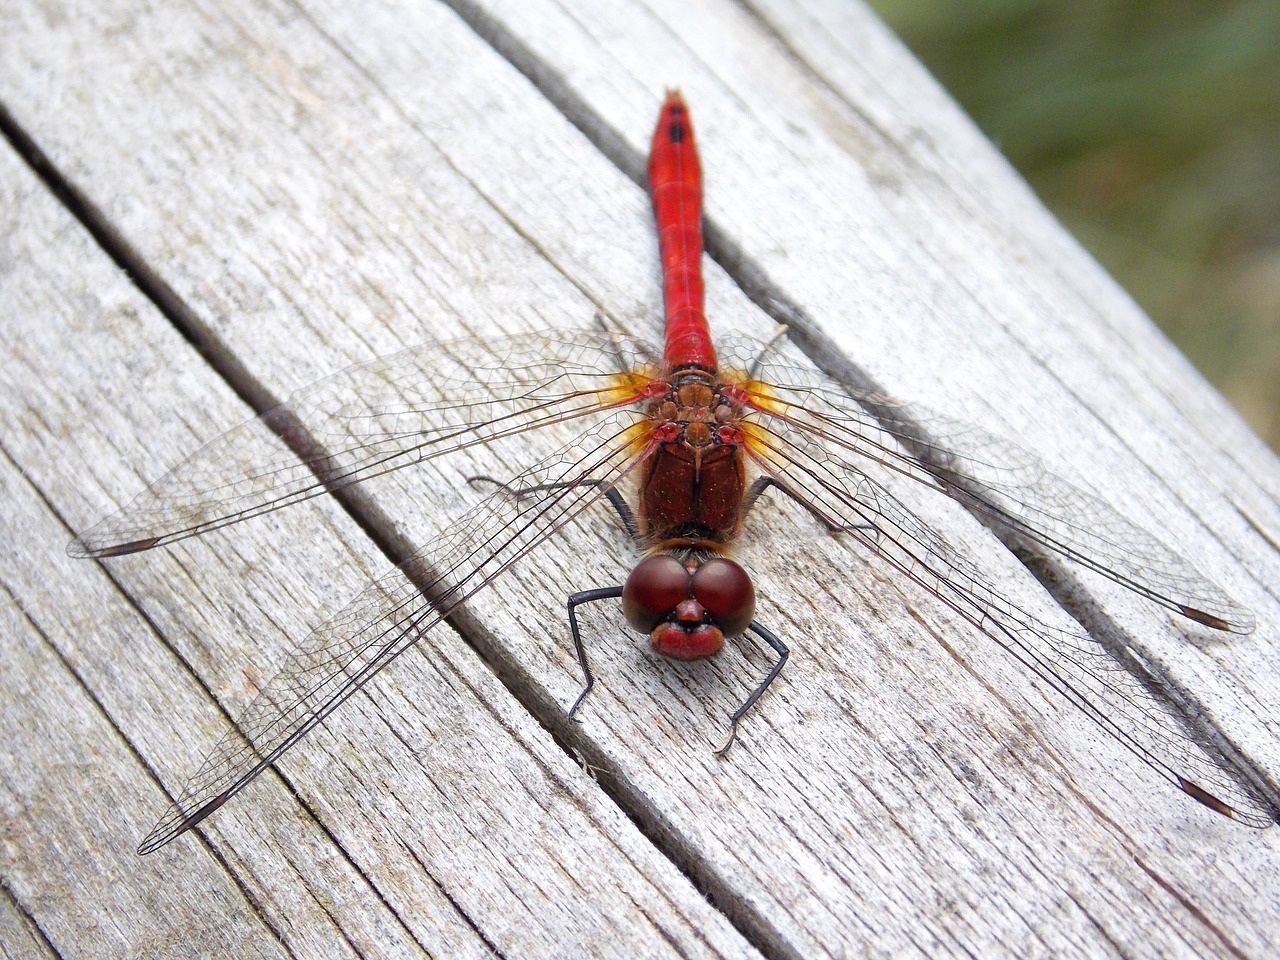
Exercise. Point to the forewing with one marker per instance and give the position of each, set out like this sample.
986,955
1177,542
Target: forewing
1007,486
370,419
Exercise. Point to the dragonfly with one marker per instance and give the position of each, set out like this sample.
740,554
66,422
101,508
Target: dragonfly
681,445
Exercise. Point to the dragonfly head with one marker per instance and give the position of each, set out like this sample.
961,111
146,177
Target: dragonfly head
688,606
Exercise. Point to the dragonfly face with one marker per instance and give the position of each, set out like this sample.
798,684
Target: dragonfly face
688,605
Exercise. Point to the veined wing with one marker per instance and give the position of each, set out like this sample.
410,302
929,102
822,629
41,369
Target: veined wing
373,418
339,657
994,478
848,500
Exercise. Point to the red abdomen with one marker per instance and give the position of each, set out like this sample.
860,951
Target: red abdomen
675,184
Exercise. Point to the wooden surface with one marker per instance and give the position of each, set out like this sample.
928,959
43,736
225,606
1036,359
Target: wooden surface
319,182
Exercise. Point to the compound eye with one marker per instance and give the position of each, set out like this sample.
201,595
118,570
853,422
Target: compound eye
654,589
725,591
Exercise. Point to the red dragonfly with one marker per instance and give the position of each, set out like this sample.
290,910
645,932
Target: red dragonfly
695,442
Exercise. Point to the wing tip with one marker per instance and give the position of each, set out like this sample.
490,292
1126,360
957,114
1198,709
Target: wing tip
84,549
1236,621
162,833
177,822
1221,807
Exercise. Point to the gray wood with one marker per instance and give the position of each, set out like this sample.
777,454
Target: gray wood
322,183
19,937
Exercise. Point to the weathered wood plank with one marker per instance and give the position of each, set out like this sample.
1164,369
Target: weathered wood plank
93,687
463,832
323,185
19,936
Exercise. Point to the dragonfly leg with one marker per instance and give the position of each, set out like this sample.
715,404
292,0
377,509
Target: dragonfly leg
778,335
772,639
575,600
762,484
615,498
624,365
756,490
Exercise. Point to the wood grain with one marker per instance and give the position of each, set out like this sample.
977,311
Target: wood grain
318,183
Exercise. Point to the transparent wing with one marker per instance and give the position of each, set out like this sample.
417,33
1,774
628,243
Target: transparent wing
816,469
994,478
373,418
388,617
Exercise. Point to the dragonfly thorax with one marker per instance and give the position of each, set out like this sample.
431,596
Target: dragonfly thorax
694,409
692,484
688,605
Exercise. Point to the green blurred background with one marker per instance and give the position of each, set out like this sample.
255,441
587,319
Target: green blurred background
1152,129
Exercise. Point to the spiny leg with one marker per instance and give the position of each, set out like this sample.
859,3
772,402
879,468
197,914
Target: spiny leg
783,653
616,336
615,498
762,484
576,599
628,519
778,335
